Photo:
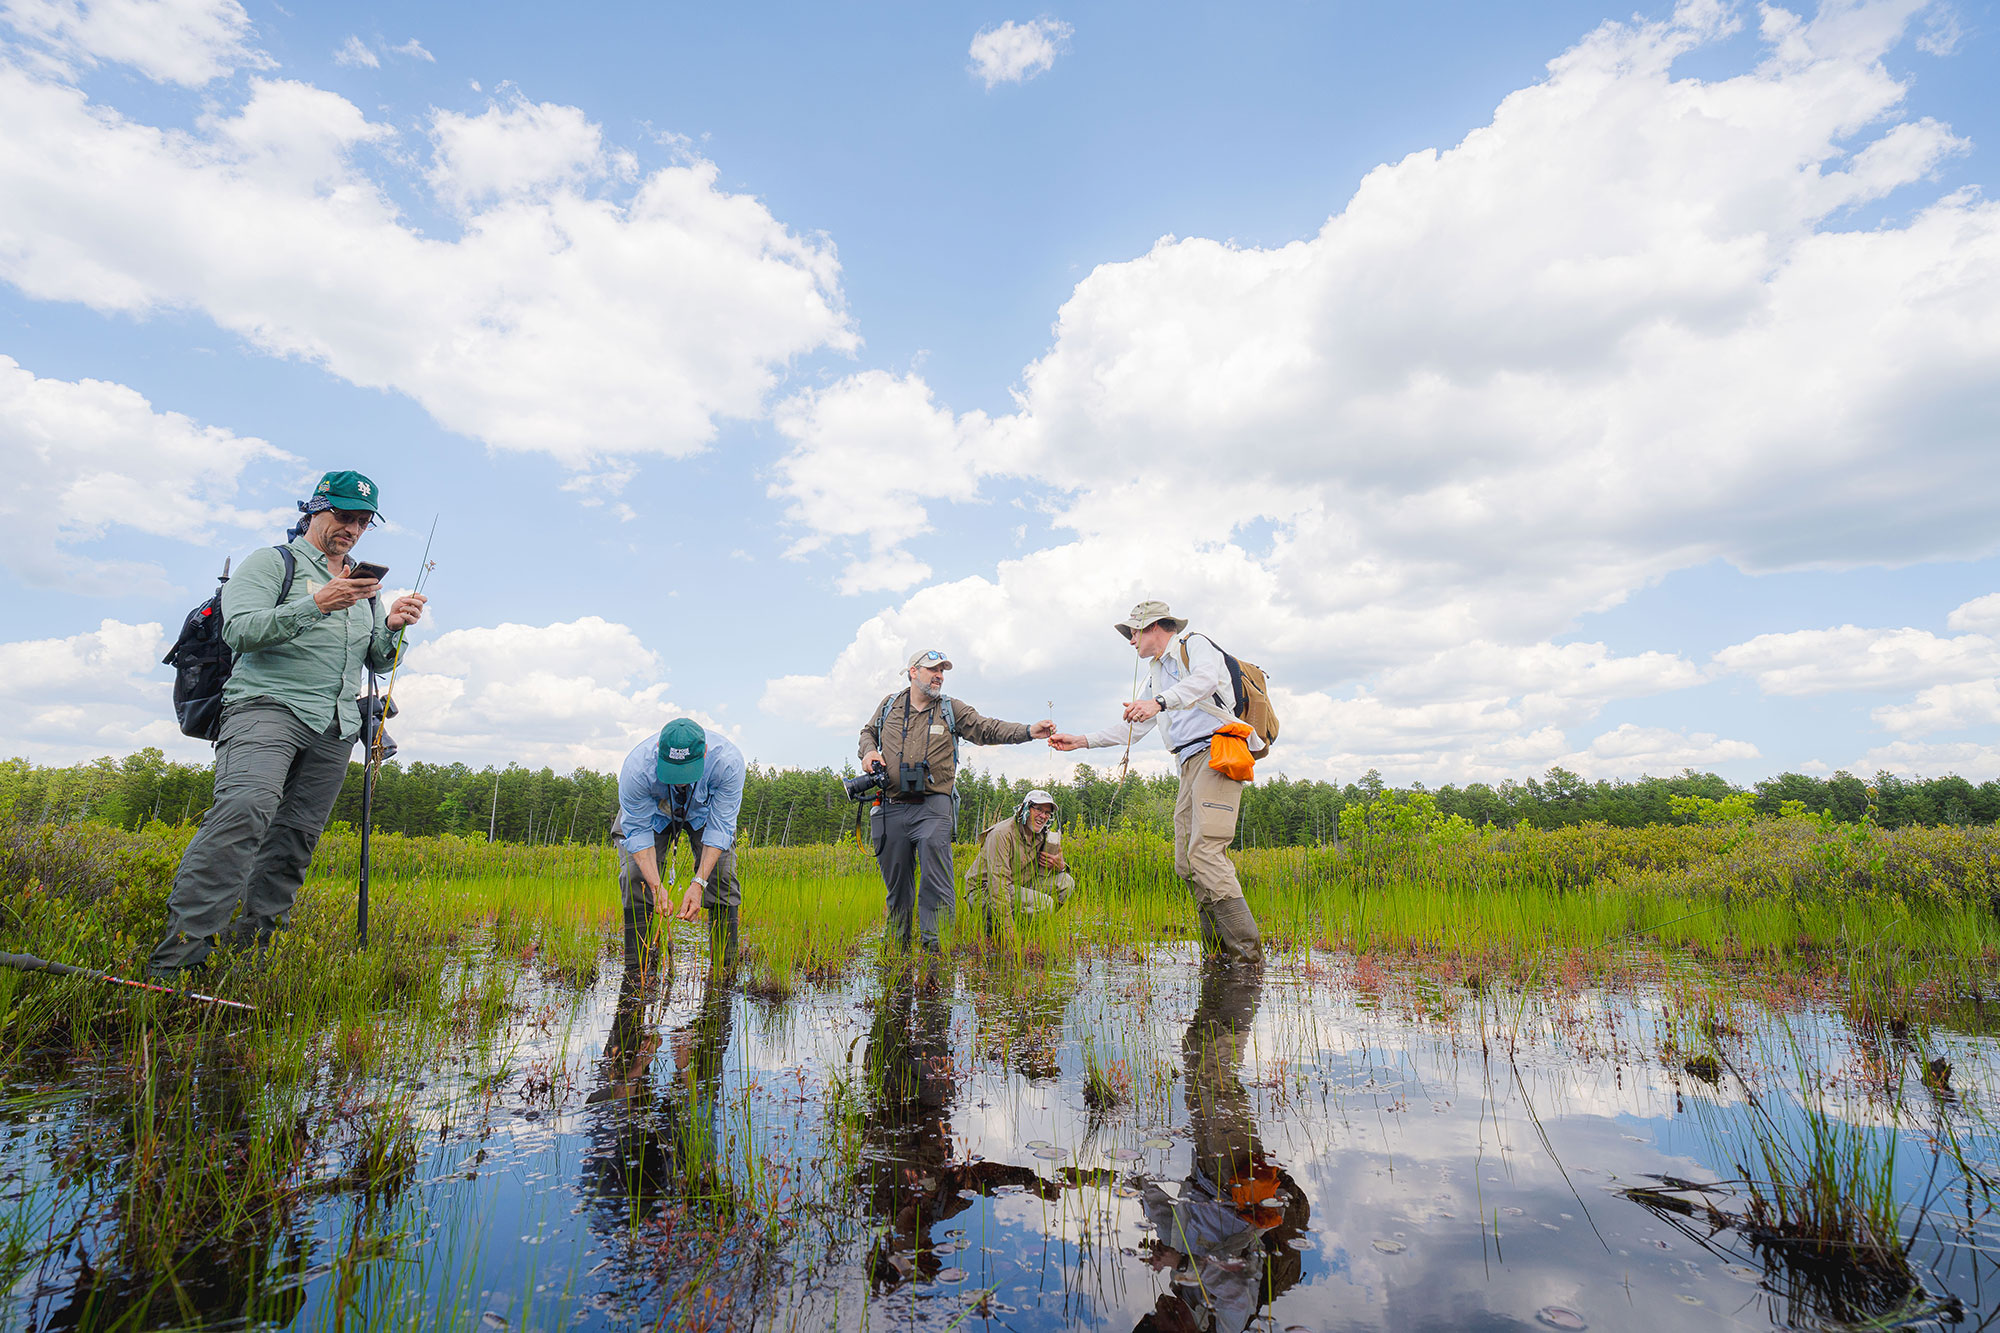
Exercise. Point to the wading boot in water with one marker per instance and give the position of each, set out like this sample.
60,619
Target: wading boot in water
722,939
643,945
1242,942
1211,936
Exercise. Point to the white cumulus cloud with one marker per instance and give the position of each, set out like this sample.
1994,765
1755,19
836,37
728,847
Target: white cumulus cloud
518,151
101,692
576,694
88,456
868,453
578,313
1627,749
188,42
1808,662
1016,52
1506,384
1981,615
1953,707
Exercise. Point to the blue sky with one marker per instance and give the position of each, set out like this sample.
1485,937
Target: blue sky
1553,384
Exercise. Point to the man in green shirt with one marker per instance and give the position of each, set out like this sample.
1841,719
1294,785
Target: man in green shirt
289,723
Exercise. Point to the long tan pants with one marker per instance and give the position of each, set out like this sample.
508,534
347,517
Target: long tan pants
1204,826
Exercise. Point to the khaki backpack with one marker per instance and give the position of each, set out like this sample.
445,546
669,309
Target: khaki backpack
1253,694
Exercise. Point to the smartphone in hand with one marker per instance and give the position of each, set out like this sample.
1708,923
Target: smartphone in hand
361,569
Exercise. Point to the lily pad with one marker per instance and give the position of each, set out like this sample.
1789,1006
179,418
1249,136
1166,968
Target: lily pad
1156,1143
952,1276
1557,1316
1389,1246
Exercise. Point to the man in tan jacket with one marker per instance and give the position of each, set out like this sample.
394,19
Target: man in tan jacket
913,735
1020,866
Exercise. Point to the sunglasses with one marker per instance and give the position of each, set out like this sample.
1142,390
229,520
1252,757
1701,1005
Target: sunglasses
930,658
349,518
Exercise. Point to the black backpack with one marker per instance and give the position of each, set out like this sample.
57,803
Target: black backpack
202,661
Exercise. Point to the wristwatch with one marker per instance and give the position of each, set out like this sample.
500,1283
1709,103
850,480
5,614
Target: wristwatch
700,882
1161,700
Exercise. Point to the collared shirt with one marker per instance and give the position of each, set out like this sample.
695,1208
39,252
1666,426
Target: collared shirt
710,805
1205,677
922,737
308,661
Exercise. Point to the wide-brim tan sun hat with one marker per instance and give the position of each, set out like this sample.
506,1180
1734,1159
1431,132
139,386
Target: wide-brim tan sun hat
1146,613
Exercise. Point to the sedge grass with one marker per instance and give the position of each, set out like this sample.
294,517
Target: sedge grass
231,1121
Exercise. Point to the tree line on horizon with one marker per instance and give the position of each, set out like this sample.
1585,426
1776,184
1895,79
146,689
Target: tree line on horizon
788,806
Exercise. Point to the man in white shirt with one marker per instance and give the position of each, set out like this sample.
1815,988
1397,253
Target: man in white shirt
1189,684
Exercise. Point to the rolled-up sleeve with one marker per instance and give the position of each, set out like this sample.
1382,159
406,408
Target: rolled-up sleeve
636,805
725,795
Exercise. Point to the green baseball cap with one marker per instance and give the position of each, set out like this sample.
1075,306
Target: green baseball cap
683,752
348,490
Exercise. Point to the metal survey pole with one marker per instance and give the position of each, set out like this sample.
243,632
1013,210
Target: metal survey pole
371,734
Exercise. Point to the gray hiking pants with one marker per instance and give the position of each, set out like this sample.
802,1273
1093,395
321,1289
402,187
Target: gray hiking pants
914,836
276,780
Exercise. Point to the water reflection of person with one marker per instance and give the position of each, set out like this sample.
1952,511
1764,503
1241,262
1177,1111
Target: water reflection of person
1224,1233
908,1172
654,1138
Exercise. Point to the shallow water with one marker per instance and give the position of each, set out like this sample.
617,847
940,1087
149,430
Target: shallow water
917,1150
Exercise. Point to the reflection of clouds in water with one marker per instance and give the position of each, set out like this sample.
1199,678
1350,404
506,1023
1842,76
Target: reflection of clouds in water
1450,1276
1418,1138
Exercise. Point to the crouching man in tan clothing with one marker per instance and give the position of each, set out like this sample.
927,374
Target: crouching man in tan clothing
1020,866
1186,683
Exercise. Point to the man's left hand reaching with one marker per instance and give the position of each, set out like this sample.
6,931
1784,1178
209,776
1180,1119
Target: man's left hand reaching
691,900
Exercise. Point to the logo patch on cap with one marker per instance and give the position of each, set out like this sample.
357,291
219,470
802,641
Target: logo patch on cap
677,753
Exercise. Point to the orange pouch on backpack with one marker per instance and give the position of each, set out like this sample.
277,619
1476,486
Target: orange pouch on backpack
1229,752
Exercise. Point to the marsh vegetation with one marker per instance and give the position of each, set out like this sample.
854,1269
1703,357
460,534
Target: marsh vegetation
1735,1070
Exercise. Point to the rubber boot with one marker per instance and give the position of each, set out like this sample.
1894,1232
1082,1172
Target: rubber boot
643,943
722,938
1242,942
1211,936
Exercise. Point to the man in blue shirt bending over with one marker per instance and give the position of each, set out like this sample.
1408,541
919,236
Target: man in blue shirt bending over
687,779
